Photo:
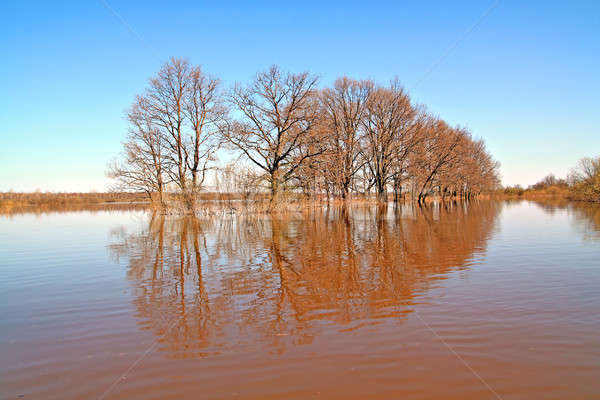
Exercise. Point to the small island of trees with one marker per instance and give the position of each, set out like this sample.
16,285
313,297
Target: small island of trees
291,139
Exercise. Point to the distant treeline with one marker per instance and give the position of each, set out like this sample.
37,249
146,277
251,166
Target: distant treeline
582,184
290,136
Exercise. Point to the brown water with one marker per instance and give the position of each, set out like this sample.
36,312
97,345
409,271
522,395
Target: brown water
480,301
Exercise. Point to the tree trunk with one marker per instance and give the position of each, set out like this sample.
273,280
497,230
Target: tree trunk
161,201
381,192
397,191
275,188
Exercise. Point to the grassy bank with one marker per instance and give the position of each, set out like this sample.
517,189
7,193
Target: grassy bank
582,184
550,192
38,198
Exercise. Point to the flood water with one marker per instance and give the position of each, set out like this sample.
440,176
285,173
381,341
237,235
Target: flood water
490,300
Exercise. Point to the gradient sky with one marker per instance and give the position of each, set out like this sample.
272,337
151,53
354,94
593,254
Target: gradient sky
525,79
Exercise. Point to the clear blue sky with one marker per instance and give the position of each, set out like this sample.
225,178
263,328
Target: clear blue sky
525,79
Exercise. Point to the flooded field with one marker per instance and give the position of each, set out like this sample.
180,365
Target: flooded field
490,300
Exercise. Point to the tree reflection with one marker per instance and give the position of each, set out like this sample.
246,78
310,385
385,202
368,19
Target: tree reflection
586,215
203,286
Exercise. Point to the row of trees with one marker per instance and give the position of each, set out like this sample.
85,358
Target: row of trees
356,137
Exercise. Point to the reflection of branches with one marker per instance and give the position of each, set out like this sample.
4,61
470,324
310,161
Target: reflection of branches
277,279
9,210
586,215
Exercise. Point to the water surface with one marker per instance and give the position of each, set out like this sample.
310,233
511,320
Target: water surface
460,301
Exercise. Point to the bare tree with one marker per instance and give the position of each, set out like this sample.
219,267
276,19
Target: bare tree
585,179
344,107
184,106
435,153
476,171
166,99
389,126
205,111
143,164
279,116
